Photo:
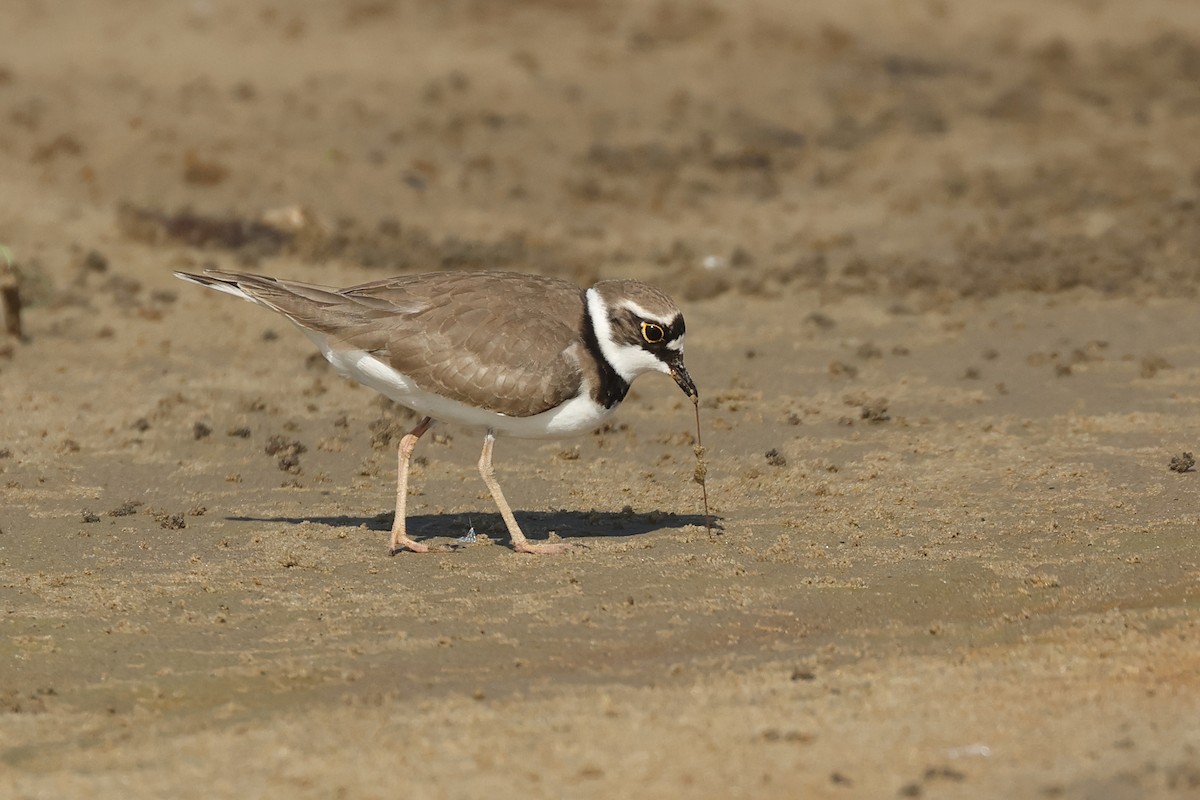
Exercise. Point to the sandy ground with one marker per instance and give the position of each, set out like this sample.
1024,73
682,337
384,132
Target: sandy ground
938,262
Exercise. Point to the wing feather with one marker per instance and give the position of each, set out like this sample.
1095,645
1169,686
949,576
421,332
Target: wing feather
495,340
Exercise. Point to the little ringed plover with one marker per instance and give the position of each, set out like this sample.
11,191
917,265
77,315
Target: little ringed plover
502,352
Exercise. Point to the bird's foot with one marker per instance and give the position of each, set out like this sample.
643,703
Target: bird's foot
401,543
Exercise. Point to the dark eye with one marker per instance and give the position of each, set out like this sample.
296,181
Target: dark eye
652,333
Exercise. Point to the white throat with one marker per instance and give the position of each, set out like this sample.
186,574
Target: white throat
629,361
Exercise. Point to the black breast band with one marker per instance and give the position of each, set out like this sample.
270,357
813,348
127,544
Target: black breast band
613,387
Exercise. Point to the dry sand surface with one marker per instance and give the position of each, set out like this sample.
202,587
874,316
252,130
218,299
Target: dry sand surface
939,262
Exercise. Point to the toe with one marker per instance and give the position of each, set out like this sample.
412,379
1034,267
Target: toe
400,545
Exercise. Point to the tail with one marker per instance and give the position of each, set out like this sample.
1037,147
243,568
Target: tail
295,300
227,282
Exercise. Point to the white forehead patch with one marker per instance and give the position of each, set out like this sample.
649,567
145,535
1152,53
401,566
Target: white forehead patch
644,314
676,344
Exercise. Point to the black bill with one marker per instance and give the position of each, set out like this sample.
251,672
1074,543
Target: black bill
680,374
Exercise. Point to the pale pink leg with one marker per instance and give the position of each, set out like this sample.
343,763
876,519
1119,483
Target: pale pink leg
519,542
400,540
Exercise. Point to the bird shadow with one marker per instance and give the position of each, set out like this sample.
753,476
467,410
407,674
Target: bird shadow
567,524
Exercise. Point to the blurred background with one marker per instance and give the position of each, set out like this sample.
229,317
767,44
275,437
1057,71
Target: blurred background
731,145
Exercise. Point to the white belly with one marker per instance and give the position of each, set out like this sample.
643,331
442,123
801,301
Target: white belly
578,415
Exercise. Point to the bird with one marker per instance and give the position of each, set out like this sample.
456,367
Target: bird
504,353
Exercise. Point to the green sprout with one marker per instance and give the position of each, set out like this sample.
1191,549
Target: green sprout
4,251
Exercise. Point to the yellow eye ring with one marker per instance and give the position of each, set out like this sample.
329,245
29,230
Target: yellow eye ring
653,333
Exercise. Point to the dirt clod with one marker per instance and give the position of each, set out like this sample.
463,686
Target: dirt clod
169,521
126,509
1152,365
288,452
875,411
1184,462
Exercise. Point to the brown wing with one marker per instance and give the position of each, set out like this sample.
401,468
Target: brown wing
442,330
